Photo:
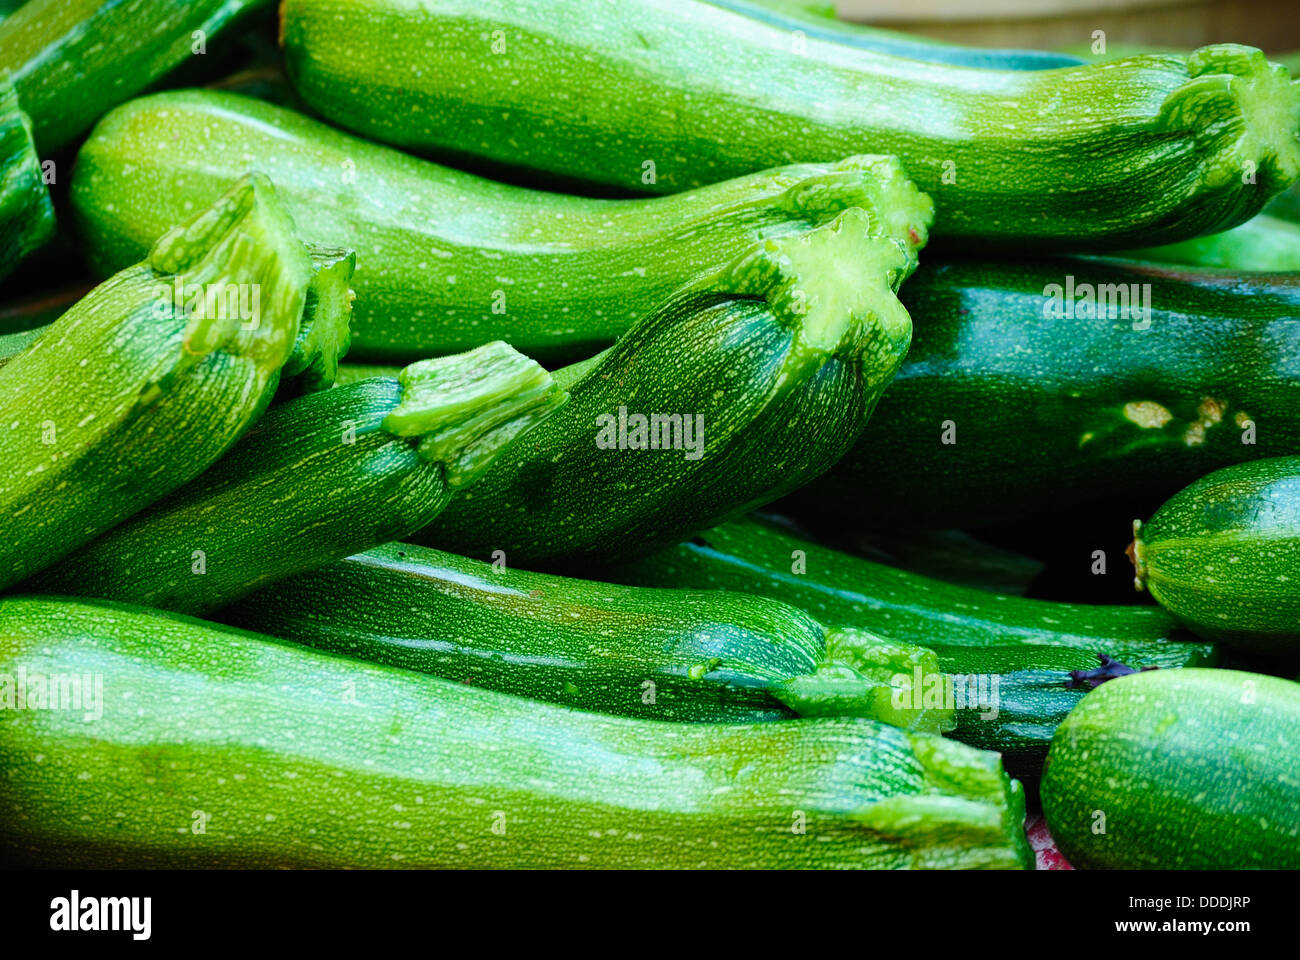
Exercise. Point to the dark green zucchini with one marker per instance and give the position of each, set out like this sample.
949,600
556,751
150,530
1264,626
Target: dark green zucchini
1179,770
317,479
446,260
26,213
1075,408
822,25
221,748
135,391
757,378
1026,646
1223,556
667,95
74,60
702,656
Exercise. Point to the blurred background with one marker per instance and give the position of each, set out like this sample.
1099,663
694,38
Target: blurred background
1272,25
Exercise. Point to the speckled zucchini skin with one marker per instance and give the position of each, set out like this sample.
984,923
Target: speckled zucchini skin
696,656
1223,556
1179,770
317,479
74,60
130,394
1075,408
26,213
776,362
447,260
290,757
1138,152
1028,645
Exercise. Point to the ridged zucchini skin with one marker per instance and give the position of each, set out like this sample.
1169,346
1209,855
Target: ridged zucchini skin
1263,243
1190,769
448,260
317,479
1028,645
74,60
824,26
774,362
323,330
1075,408
130,394
291,757
698,656
26,213
1223,556
598,90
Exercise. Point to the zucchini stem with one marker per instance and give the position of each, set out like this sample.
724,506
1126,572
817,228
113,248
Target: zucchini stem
465,409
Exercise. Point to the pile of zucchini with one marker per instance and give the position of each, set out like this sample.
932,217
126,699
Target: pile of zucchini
584,435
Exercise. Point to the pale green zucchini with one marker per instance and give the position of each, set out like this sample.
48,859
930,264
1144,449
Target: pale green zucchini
668,95
131,393
220,748
323,330
317,479
446,260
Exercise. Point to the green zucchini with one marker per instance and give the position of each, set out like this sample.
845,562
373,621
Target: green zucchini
757,378
1263,243
136,390
317,479
267,754
323,331
1179,770
1027,646
665,95
701,656
1223,556
448,260
1074,408
26,212
813,21
74,60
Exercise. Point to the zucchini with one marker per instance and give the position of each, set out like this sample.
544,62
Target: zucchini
700,656
1263,243
1223,556
135,390
323,332
822,25
315,480
449,261
1075,408
1179,770
757,378
694,93
278,756
74,60
1027,646
26,212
